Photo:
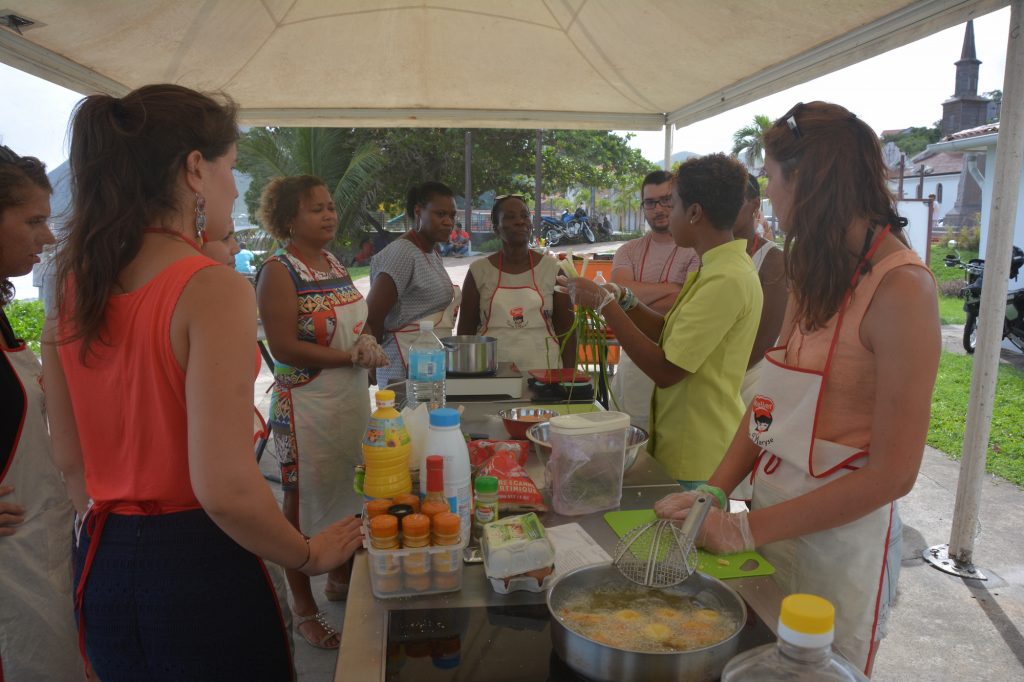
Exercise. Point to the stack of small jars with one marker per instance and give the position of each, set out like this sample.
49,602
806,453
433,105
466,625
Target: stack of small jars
413,552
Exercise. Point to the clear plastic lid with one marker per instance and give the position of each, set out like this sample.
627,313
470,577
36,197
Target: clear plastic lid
589,422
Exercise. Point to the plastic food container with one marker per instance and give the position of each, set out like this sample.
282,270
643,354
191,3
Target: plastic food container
413,572
587,456
514,546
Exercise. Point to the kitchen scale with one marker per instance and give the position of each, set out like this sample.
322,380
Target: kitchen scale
506,382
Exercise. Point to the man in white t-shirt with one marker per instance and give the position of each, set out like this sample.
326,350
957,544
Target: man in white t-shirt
655,269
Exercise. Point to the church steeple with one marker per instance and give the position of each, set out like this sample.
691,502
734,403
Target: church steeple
965,109
967,66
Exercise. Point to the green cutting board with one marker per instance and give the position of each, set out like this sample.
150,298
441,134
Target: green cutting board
741,564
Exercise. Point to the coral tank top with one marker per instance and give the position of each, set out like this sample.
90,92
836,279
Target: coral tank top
129,399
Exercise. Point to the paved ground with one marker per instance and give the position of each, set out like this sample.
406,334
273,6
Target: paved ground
942,627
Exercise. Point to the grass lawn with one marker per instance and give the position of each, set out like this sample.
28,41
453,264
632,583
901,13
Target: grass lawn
951,308
358,271
1005,457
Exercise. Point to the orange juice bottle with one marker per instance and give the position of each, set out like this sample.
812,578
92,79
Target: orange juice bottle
386,451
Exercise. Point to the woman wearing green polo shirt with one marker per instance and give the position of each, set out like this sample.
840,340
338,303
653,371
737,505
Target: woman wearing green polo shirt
697,353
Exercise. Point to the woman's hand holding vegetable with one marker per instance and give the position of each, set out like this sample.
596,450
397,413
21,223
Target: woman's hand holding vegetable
584,292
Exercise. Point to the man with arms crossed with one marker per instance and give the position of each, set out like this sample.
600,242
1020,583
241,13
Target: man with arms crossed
654,268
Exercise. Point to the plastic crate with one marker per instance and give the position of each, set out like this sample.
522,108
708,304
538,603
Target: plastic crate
413,572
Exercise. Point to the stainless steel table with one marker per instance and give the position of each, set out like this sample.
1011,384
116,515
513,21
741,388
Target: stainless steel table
362,653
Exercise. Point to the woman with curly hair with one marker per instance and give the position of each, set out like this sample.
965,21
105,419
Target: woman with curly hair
697,353
315,321
836,429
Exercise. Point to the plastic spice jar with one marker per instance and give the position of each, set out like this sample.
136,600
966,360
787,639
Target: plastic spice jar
485,506
378,507
446,530
385,568
416,565
409,499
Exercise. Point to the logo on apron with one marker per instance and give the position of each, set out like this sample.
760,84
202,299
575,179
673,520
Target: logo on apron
761,409
358,328
518,320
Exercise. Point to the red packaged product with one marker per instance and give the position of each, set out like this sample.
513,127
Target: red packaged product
482,450
517,493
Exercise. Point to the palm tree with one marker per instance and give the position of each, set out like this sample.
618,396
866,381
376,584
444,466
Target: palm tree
349,173
625,203
749,141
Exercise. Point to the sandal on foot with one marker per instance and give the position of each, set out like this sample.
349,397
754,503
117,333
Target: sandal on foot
320,620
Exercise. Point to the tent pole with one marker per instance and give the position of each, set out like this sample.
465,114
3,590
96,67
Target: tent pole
468,189
669,128
1006,187
538,169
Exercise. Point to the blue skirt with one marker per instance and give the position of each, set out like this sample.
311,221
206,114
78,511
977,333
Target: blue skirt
172,597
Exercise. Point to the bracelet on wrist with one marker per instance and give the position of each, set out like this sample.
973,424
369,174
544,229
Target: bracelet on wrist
718,493
309,555
627,299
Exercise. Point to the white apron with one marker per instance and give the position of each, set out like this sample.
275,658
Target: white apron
444,324
38,637
846,565
515,316
331,413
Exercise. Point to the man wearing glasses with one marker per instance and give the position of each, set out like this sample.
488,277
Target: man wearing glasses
654,268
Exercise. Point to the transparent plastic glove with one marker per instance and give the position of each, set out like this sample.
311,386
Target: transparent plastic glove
584,292
724,533
367,353
676,505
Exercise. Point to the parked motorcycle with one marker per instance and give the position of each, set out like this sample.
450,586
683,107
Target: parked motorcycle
1013,322
570,226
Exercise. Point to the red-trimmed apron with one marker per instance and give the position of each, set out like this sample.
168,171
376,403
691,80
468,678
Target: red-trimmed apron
633,388
845,565
444,323
37,624
515,316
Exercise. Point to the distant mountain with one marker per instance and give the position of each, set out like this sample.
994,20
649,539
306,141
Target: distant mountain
679,157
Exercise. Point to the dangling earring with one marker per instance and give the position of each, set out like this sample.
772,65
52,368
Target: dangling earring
200,219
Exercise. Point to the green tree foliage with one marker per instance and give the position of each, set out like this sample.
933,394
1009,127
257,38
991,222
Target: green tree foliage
349,167
748,141
380,164
912,141
26,318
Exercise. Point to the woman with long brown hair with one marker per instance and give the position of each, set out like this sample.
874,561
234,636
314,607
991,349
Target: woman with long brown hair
148,368
836,430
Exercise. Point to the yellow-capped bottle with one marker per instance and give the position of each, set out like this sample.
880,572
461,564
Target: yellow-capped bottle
386,451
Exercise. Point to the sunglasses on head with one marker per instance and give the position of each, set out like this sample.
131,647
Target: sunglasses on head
790,119
502,197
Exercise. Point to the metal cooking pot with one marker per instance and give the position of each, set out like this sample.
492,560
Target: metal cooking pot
471,355
604,663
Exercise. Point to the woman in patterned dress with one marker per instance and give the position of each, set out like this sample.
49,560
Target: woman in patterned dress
315,321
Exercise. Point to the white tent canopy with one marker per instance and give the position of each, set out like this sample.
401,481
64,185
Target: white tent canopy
604,64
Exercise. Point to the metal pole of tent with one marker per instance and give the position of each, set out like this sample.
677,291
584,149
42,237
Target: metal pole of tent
537,169
958,556
467,191
669,128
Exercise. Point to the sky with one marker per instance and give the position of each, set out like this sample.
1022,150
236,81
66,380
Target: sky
899,89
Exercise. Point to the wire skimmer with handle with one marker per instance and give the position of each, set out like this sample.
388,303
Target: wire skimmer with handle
660,553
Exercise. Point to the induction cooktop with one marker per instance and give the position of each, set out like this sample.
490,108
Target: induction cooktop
488,644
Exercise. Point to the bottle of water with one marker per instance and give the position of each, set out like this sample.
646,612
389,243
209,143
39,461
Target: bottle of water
803,652
426,369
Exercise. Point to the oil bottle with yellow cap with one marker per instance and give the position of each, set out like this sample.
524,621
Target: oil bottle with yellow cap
803,652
